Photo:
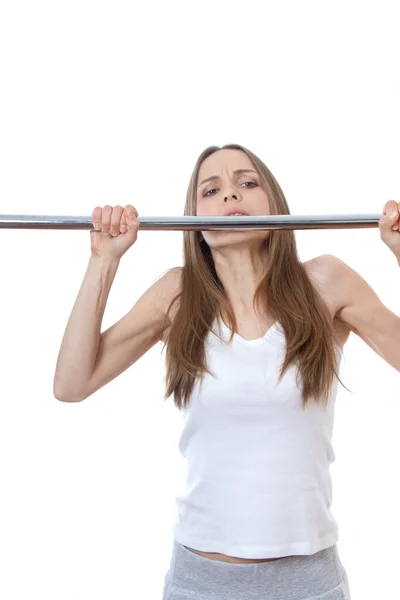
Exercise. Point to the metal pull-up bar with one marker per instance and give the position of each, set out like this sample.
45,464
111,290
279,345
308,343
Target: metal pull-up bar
340,221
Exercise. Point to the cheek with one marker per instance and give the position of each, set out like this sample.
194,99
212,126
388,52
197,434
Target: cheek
204,210
263,204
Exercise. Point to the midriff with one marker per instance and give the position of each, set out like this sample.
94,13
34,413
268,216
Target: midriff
231,559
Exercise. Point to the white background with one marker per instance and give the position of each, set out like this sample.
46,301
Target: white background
111,103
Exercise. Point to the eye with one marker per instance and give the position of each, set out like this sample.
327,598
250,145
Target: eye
213,190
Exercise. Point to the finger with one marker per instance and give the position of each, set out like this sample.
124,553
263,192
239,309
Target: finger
123,227
131,211
96,218
391,207
127,218
131,215
116,219
128,210
389,223
106,218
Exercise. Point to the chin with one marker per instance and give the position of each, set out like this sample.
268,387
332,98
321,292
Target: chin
221,239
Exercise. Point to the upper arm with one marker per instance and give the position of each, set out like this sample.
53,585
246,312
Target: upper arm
122,344
360,308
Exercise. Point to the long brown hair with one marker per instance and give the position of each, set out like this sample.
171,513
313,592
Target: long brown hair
285,291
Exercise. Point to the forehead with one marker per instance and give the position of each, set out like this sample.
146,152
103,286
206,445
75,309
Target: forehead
224,160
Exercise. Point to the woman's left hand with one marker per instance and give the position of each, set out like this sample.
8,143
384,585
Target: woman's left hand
389,226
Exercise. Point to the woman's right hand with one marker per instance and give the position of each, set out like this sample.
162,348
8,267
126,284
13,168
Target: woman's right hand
115,230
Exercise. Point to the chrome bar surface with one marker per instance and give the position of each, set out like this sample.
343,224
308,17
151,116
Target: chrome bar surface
211,223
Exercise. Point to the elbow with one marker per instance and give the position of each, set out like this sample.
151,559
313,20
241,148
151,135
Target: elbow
60,395
67,399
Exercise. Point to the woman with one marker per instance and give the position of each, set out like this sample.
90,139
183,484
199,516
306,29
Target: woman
253,341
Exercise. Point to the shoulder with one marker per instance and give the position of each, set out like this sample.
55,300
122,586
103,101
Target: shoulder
176,279
170,294
328,274
331,269
171,282
325,266
174,274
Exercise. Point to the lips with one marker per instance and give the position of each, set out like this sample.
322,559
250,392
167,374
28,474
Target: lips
232,211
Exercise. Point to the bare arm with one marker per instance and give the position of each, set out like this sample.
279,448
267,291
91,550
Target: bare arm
81,339
89,359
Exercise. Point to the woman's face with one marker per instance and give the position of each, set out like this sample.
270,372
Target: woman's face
229,190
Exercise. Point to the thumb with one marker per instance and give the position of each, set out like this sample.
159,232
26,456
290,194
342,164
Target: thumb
390,218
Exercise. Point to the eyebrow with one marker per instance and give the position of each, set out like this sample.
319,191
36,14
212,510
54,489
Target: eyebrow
217,176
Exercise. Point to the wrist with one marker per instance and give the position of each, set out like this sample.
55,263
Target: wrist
106,259
104,262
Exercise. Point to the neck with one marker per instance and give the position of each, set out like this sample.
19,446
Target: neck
240,273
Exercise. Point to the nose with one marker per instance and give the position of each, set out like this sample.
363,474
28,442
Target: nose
229,190
233,196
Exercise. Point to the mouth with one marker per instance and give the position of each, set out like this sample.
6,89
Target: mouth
236,213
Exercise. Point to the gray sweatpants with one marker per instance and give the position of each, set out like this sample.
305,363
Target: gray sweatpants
319,576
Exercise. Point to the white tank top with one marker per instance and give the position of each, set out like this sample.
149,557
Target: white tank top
257,483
